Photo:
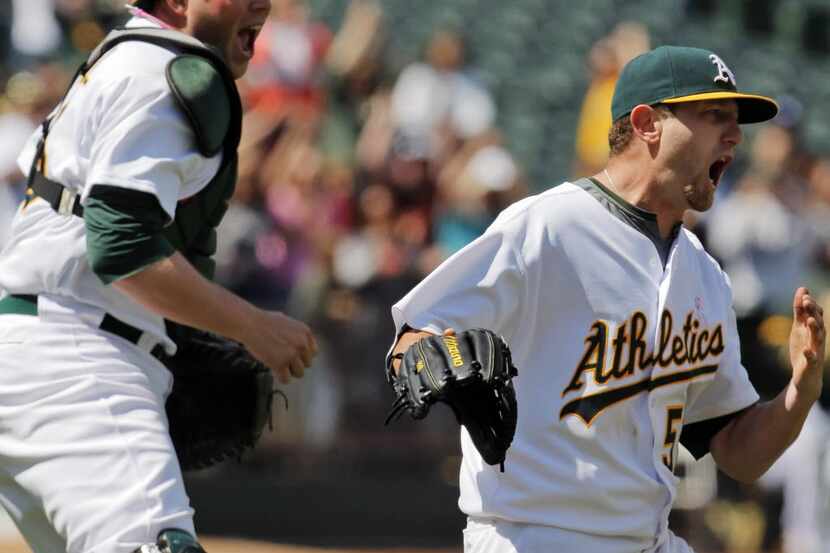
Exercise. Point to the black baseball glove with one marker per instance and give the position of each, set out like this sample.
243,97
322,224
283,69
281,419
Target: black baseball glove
221,399
471,372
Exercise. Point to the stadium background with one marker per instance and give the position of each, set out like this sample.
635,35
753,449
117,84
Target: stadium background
382,136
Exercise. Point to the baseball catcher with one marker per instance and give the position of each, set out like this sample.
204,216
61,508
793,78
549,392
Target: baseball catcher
472,373
128,180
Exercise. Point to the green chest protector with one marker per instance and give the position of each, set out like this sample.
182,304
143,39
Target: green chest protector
206,93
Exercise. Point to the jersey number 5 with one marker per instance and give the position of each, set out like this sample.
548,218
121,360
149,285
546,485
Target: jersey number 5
674,417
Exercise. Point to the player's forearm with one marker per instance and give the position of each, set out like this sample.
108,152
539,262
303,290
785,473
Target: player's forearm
746,448
173,289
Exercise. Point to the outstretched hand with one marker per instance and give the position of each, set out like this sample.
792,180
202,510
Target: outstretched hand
807,342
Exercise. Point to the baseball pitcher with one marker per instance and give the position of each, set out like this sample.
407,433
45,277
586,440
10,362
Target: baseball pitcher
621,327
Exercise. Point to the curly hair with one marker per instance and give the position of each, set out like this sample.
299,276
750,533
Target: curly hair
620,135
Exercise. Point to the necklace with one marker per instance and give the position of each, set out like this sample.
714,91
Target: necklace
610,180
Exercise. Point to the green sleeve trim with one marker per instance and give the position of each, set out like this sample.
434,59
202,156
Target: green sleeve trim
123,232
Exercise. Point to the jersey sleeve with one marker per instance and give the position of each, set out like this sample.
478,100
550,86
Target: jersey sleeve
730,391
123,232
697,437
482,285
144,143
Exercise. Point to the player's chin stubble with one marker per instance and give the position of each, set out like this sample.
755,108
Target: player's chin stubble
699,198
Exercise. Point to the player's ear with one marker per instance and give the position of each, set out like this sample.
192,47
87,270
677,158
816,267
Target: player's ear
646,123
172,9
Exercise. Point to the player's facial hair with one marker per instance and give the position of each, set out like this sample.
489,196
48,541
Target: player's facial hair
698,198
697,191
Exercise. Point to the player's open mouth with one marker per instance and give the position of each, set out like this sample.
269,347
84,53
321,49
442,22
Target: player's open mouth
246,39
716,169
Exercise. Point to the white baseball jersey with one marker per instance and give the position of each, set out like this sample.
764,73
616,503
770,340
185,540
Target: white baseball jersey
615,352
119,126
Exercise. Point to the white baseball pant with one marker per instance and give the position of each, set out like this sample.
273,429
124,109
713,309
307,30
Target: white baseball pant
86,461
498,536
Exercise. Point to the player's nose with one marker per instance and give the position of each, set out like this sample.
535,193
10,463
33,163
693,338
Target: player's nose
733,135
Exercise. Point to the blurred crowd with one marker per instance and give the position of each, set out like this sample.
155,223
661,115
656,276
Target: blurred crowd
357,178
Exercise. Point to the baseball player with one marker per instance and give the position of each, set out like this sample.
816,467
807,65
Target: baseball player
621,327
138,159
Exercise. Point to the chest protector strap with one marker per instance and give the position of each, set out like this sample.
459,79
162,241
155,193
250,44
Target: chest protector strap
206,93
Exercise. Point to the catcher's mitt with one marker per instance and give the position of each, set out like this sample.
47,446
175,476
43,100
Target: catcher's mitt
471,372
220,402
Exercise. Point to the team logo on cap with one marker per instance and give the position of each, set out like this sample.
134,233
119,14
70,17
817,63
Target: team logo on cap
724,73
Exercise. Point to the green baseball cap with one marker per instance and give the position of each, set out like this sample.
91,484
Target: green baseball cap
676,74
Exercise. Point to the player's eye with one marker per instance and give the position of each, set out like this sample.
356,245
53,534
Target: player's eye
719,115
